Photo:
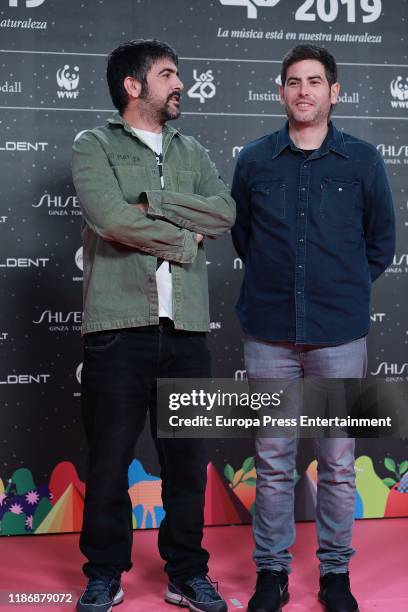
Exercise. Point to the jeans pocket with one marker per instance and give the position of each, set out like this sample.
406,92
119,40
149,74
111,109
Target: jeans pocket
101,341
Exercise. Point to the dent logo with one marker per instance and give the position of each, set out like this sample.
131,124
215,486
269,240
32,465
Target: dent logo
251,5
25,379
203,88
399,91
68,81
28,3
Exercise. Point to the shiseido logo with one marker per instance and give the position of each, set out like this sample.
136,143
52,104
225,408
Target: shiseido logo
203,88
399,264
399,91
391,369
251,5
59,205
61,321
68,80
24,262
25,379
23,146
394,154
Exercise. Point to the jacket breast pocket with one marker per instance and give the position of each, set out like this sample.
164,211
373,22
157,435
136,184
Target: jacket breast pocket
269,198
339,201
186,181
132,181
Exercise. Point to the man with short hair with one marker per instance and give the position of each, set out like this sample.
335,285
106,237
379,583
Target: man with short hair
315,228
149,196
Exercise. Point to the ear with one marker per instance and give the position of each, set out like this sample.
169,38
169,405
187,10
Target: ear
132,86
334,93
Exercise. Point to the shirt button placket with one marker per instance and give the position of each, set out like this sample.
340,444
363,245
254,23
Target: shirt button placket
301,252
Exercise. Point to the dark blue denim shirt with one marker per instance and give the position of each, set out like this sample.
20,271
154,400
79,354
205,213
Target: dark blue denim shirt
314,233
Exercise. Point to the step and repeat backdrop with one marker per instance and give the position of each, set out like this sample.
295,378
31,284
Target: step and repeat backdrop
52,86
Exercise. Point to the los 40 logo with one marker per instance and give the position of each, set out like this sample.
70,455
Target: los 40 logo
326,10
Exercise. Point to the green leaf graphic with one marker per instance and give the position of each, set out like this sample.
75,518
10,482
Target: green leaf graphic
248,464
229,472
390,464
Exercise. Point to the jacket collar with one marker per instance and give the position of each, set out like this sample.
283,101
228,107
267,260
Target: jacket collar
117,119
334,141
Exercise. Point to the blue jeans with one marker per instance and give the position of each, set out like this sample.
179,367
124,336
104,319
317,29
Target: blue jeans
274,526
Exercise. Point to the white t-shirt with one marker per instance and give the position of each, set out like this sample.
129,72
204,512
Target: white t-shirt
163,275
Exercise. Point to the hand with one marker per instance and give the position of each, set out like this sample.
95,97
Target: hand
199,237
142,207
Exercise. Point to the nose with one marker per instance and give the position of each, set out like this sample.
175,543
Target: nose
303,88
179,83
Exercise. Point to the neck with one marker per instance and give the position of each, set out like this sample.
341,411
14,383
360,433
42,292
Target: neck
141,119
308,136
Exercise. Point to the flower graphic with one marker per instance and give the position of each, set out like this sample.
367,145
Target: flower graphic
32,497
16,509
29,521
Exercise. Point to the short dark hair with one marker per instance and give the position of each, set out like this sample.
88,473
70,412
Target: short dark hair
310,52
134,58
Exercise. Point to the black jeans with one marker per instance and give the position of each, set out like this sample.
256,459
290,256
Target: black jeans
118,387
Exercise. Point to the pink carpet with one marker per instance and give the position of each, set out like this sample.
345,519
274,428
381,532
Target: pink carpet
378,571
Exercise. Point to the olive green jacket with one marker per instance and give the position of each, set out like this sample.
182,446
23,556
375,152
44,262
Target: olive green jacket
113,169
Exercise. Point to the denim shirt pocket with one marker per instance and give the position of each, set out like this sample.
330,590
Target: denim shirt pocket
339,201
269,198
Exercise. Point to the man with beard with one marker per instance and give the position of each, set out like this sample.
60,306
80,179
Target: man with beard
149,196
315,228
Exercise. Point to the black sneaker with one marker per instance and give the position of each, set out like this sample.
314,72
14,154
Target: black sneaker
198,594
335,593
271,592
100,595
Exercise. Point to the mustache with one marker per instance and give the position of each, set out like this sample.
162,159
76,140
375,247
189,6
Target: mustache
175,94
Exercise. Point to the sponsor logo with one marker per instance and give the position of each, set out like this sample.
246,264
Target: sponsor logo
59,205
24,24
78,372
215,325
25,379
24,262
237,263
240,375
58,321
23,146
235,151
399,92
394,154
9,87
3,336
80,264
3,219
251,5
399,264
393,370
68,81
377,317
27,3
203,88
